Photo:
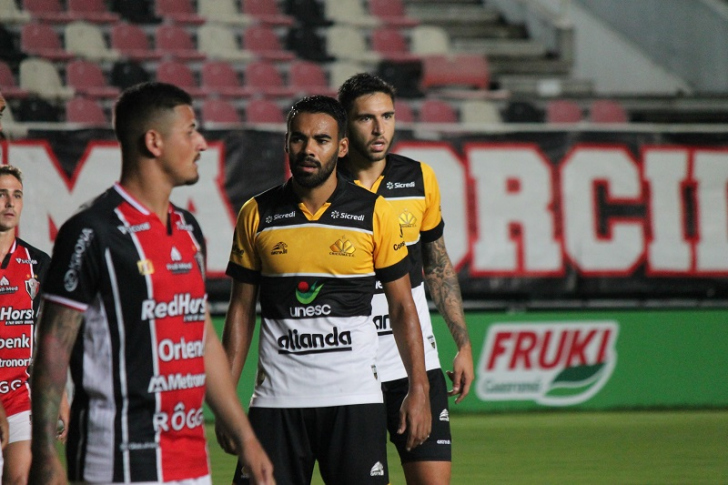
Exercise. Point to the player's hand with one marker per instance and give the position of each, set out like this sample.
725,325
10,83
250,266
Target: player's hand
256,464
415,417
47,470
4,429
226,442
64,417
462,374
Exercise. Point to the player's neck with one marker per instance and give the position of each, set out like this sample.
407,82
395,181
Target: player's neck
7,239
315,198
150,192
364,170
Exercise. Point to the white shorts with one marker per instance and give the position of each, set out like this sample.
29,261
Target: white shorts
19,425
206,480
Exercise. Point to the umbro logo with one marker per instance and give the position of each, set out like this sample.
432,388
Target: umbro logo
377,470
445,415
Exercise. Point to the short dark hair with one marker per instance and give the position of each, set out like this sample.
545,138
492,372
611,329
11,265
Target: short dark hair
141,104
361,84
12,170
319,104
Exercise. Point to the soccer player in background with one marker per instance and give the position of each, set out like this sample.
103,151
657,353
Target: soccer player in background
125,303
312,249
411,187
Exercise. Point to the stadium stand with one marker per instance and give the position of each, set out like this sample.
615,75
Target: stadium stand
86,111
223,11
429,40
47,11
437,111
309,78
8,87
35,109
132,42
264,43
219,111
349,12
87,41
181,75
307,12
263,111
346,42
479,111
11,14
40,77
91,11
463,70
391,13
563,111
403,111
220,78
607,111
306,43
340,71
127,73
519,111
87,78
219,42
174,41
391,44
263,78
135,11
266,12
178,11
41,40
9,48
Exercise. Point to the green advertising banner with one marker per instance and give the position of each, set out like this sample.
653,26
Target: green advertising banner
594,360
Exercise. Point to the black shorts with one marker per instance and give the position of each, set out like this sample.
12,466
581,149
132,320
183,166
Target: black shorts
349,442
438,446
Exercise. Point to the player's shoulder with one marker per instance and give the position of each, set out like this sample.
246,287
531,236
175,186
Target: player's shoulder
36,254
400,166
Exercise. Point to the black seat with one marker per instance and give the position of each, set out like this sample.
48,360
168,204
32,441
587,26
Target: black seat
128,73
36,109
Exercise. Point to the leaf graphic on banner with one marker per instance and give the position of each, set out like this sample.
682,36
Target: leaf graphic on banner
575,380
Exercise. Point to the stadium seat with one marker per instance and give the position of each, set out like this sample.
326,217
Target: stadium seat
461,70
309,78
479,111
47,11
180,75
219,42
178,11
219,111
263,111
607,111
11,14
35,109
307,44
522,112
42,41
263,42
403,111
174,41
339,72
346,42
219,77
86,111
91,11
9,50
437,111
349,12
131,41
87,40
126,73
263,78
8,87
87,79
391,12
563,111
391,45
429,40
223,11
135,11
310,13
38,76
406,77
266,12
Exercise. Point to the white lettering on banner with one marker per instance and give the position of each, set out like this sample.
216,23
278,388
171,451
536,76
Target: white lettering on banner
516,207
551,363
710,172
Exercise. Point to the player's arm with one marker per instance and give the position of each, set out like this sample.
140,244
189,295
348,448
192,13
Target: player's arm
415,411
56,333
442,282
3,427
223,401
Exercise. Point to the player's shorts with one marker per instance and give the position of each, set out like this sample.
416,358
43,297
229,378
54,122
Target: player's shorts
19,425
205,480
438,446
349,443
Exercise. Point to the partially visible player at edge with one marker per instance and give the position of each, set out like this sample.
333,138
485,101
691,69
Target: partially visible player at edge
22,272
411,187
125,302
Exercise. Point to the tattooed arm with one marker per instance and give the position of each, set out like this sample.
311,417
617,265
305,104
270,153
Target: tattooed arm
56,334
442,281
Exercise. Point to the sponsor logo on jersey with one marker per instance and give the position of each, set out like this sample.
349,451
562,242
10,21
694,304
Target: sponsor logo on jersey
431,339
32,286
554,364
146,267
280,248
314,343
8,386
276,217
181,226
377,470
7,363
126,229
22,342
175,382
179,419
5,287
169,350
177,266
305,294
70,279
407,219
382,324
398,246
26,261
193,309
13,316
342,247
347,216
400,185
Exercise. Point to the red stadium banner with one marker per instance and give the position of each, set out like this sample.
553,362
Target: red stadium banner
538,219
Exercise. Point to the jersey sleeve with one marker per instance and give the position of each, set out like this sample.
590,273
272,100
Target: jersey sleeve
390,251
244,265
73,275
432,224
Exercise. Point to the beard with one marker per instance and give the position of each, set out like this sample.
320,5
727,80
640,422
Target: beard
311,180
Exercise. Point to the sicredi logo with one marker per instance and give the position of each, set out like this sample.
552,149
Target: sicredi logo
554,364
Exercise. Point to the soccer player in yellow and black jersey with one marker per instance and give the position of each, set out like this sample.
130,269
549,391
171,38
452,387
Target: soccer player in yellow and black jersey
312,249
412,189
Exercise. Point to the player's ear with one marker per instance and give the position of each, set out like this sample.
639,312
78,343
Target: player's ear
153,142
343,147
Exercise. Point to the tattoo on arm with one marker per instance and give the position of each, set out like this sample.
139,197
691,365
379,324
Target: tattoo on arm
442,281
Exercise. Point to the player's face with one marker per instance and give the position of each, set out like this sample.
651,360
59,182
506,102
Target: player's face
371,126
11,202
313,147
183,145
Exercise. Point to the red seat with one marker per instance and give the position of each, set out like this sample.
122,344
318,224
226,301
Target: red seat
263,111
403,111
563,111
391,44
91,11
460,70
132,42
437,111
88,79
263,42
8,87
180,75
607,111
220,78
174,41
309,78
84,110
180,11
391,12
266,12
42,41
263,77
219,111
47,10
